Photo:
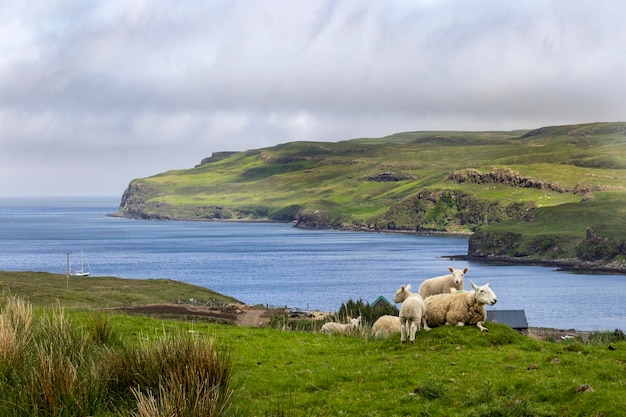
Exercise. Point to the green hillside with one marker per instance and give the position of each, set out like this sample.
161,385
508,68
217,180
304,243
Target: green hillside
554,193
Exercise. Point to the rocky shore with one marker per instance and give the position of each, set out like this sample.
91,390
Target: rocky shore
570,265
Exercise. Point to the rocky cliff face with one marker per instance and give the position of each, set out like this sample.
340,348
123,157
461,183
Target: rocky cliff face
135,201
503,176
446,211
593,253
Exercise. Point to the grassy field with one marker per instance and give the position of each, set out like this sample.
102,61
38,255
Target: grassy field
42,289
449,371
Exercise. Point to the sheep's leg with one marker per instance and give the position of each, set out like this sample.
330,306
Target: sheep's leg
425,324
412,330
460,324
402,329
481,327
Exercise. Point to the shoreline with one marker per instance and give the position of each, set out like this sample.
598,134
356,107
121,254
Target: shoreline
567,265
586,267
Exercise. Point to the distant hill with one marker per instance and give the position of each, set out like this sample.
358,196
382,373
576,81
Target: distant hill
551,194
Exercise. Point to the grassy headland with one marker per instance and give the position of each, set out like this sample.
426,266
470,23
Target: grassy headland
551,194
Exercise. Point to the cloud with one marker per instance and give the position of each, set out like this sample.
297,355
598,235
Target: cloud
146,86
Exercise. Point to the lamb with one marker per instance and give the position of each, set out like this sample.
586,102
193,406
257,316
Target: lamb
411,312
443,284
385,326
468,307
332,327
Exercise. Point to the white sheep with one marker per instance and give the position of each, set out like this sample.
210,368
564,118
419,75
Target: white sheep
385,326
332,327
443,284
467,307
411,312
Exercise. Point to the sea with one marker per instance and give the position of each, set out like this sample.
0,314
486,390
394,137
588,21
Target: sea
275,264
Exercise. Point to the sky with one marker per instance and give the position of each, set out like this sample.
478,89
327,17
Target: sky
95,93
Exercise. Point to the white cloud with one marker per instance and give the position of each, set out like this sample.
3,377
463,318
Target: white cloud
148,86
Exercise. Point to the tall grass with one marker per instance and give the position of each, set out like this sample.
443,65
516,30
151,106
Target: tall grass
52,366
15,329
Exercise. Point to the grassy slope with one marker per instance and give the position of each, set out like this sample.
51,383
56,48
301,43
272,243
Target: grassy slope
332,178
449,371
43,289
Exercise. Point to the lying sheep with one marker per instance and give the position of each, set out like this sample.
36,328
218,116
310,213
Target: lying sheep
468,307
332,327
443,284
411,312
385,326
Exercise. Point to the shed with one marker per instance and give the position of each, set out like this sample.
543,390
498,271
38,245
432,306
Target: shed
381,302
512,318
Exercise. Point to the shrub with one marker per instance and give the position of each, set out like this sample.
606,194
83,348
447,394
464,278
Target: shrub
369,314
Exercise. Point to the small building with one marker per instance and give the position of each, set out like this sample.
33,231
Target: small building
381,302
512,318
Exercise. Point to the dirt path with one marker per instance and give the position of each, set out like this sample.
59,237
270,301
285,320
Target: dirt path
253,318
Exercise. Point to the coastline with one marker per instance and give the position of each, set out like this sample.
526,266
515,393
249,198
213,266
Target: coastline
568,265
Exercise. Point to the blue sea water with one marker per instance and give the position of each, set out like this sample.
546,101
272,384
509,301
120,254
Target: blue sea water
278,265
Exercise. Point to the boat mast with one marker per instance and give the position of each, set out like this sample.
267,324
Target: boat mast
67,272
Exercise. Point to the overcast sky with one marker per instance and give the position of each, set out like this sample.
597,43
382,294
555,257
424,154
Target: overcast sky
96,93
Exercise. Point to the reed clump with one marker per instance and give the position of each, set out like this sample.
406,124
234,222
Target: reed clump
53,366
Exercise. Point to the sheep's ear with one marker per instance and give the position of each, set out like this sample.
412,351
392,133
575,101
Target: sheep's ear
474,286
486,285
450,269
465,270
408,287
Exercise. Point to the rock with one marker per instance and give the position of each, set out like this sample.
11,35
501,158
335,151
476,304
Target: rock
584,388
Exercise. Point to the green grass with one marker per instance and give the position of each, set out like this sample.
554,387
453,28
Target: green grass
449,371
44,289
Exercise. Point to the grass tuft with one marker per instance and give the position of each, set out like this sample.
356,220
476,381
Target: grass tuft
51,366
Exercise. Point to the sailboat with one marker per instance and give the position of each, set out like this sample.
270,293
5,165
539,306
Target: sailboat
79,272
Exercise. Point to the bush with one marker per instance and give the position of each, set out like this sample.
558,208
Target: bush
369,314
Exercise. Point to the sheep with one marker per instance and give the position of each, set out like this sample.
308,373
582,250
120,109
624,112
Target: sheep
332,327
441,285
411,312
467,307
385,326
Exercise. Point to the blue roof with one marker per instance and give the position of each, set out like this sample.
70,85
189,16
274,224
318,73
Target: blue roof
513,318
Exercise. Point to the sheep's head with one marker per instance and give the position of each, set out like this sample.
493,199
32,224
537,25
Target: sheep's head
484,294
458,275
402,294
355,322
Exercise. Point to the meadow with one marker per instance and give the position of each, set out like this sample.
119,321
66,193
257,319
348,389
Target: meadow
79,360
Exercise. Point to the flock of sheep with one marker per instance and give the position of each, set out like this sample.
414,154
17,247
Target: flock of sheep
439,301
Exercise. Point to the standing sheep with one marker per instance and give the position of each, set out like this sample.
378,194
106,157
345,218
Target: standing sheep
385,326
461,308
441,285
332,327
411,312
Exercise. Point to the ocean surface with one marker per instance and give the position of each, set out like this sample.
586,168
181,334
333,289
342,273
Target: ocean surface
278,265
